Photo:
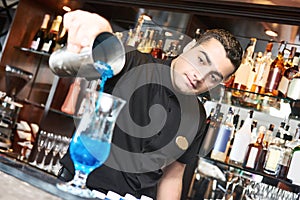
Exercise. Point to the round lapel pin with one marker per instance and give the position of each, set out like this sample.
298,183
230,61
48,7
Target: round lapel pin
182,142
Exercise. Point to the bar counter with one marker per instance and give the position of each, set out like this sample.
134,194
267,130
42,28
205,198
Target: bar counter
22,181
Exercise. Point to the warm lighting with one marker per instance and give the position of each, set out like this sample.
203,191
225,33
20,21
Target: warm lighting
146,17
66,8
271,33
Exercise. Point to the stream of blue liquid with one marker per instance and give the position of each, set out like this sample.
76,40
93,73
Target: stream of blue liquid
85,159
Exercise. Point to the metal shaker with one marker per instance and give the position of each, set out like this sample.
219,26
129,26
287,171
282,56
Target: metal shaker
106,48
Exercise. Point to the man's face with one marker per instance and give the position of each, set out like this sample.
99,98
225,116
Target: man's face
201,68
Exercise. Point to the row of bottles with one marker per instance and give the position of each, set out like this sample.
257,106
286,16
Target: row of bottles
276,153
50,36
260,73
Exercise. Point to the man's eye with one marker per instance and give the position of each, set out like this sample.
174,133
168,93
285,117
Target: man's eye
214,78
201,60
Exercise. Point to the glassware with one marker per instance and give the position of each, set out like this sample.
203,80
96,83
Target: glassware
64,146
49,143
55,149
40,144
90,145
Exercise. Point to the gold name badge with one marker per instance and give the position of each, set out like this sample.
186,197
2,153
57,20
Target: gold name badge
182,142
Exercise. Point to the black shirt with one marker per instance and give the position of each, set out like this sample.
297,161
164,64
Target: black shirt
150,129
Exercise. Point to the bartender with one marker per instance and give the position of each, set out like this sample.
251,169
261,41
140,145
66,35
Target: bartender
162,130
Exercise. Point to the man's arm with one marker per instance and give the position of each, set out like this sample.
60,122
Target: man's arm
170,185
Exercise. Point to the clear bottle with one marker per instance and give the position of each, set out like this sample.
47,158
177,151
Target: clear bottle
225,132
284,162
275,74
294,172
51,38
242,74
241,141
263,68
254,151
38,40
271,165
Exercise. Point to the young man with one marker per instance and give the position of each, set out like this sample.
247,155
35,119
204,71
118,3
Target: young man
160,129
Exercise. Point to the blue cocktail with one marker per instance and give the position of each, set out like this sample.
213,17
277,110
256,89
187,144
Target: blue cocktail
90,145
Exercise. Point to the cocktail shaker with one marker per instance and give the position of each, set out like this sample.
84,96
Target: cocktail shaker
106,48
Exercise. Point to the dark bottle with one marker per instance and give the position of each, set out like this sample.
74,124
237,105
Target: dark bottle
38,40
267,139
275,74
211,133
254,150
61,40
51,38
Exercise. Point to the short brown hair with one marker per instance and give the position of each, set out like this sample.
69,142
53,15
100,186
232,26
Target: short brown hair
232,46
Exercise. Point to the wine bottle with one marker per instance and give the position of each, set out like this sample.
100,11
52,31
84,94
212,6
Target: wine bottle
38,40
241,141
254,150
51,38
275,74
225,132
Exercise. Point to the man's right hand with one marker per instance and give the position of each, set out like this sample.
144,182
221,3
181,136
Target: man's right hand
83,27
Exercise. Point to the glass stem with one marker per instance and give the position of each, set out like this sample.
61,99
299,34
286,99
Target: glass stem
79,179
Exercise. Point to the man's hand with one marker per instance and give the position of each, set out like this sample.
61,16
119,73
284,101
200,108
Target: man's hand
170,185
83,27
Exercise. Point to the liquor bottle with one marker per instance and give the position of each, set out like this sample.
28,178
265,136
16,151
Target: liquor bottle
157,51
271,165
134,35
257,59
284,162
263,68
242,74
275,74
254,151
211,132
232,140
294,172
39,36
225,132
61,39
266,141
284,81
254,131
69,105
296,139
241,141
51,38
292,71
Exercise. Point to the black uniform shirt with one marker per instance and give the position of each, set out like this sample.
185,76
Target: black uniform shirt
151,131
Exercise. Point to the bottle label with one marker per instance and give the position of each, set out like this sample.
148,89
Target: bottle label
242,74
273,160
222,139
34,45
46,47
294,172
252,157
283,85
